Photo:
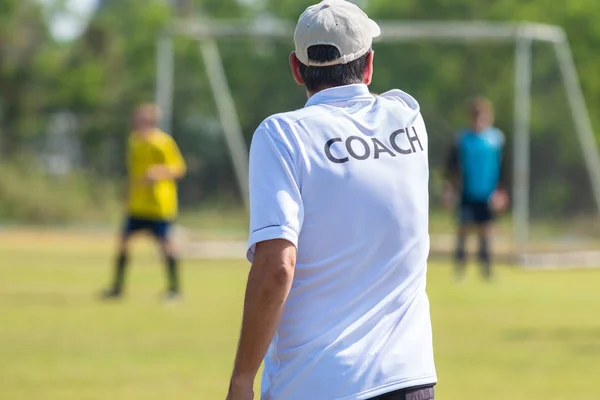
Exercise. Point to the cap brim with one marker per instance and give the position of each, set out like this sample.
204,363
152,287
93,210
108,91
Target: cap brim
374,29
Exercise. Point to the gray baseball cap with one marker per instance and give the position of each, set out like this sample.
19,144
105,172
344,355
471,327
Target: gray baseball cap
337,23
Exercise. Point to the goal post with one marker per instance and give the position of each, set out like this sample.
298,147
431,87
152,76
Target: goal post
523,35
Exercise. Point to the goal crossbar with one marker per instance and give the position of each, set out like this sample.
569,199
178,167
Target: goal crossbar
523,34
392,31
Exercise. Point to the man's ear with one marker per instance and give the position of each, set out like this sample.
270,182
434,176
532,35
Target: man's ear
368,77
295,66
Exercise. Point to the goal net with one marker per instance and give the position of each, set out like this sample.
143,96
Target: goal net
217,81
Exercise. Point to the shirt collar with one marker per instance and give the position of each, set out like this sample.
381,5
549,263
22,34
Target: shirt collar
339,93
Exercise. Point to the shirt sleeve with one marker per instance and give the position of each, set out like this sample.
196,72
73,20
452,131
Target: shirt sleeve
173,158
452,170
503,178
276,210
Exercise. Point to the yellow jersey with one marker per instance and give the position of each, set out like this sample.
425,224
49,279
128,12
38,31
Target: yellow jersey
153,200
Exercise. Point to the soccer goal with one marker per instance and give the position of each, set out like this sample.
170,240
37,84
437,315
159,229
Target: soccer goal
556,203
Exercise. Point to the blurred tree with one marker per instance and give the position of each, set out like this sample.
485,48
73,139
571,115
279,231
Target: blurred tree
100,76
27,64
112,68
556,156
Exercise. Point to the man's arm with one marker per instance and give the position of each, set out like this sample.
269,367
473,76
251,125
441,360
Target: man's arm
503,179
276,218
269,284
162,172
452,170
452,177
174,167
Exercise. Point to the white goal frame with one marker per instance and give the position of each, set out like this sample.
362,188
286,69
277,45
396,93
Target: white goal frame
522,34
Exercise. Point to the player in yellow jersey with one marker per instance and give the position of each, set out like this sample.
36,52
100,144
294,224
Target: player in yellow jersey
154,165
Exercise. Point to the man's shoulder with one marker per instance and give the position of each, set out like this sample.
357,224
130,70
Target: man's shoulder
497,131
162,139
402,98
294,116
495,136
159,134
287,120
283,124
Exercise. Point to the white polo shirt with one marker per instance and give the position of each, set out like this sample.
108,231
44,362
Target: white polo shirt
345,179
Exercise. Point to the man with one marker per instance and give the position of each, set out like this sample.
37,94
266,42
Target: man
475,170
154,165
339,231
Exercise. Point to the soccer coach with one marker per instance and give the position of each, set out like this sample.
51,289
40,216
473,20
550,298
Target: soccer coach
335,301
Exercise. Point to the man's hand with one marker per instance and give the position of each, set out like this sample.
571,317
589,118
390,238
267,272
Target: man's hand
500,201
241,390
157,173
269,284
448,197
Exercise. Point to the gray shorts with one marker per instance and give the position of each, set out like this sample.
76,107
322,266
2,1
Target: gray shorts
420,393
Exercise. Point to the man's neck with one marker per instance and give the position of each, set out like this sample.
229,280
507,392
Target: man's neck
478,129
145,133
310,94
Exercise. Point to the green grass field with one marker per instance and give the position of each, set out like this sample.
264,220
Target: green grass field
531,335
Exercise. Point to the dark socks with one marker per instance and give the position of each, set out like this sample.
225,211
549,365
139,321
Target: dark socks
460,257
120,267
484,257
172,273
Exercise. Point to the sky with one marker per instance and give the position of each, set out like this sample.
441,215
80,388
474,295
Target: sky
72,23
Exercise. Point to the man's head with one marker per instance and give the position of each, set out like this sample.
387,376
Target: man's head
333,46
145,117
481,113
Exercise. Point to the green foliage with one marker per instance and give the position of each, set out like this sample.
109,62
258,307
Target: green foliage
103,74
30,195
578,18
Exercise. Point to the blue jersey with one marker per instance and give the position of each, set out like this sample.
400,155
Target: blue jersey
479,158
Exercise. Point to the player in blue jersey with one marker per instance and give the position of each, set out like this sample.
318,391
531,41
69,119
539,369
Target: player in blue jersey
475,172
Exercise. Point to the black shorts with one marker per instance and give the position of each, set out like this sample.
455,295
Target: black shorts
159,228
475,212
419,393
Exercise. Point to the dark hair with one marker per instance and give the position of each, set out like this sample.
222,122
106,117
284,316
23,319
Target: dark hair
319,78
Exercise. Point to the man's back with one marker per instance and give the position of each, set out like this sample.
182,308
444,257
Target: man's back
356,323
156,199
480,159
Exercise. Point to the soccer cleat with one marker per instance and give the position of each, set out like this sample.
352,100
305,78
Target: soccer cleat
488,277
459,278
486,272
460,270
171,296
111,294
